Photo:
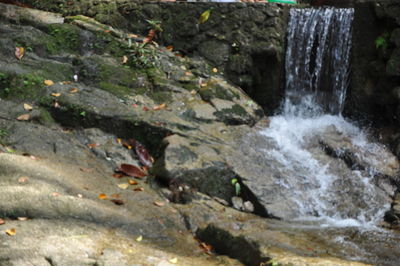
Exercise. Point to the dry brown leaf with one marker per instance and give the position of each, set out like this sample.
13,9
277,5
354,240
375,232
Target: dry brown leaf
215,70
22,218
2,221
115,196
66,82
203,85
48,82
86,170
27,107
144,108
138,189
102,196
123,185
11,232
56,94
188,73
19,52
117,201
132,170
73,90
150,36
126,145
23,179
24,117
92,145
159,107
131,35
132,182
118,175
159,203
55,194
124,59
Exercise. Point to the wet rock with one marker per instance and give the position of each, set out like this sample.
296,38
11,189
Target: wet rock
248,206
237,203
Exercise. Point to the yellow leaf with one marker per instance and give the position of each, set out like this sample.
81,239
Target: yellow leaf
159,107
19,52
24,117
27,107
11,231
102,196
140,238
204,16
132,182
119,140
174,260
123,185
22,218
56,94
215,70
48,82
124,59
73,90
159,203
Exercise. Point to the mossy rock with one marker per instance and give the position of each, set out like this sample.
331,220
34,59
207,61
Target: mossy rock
21,87
64,37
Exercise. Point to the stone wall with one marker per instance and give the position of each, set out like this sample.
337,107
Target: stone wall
245,42
374,94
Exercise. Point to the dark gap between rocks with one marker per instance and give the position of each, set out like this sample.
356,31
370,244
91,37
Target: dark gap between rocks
237,247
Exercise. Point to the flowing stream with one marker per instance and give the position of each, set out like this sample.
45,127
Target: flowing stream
344,192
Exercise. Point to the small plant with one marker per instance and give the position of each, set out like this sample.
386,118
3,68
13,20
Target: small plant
141,56
382,41
3,134
236,184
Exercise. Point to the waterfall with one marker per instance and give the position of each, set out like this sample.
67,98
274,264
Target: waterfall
317,59
308,183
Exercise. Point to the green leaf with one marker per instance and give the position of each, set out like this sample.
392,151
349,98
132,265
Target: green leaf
237,189
234,181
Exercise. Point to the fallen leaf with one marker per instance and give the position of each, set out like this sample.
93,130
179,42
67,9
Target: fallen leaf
124,59
2,221
115,196
144,108
27,107
56,94
159,203
118,175
131,35
79,196
126,145
117,202
132,182
144,156
183,67
56,105
193,92
140,238
19,52
73,90
132,170
86,170
11,231
123,185
150,36
159,107
24,117
170,48
138,189
66,82
55,194
48,82
30,156
102,196
203,85
173,260
92,145
119,140
215,70
22,218
23,179
188,73
107,31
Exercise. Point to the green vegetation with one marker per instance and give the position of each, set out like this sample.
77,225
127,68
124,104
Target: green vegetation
3,133
142,56
382,41
64,37
25,86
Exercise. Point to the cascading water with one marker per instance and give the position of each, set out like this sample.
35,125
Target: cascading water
310,129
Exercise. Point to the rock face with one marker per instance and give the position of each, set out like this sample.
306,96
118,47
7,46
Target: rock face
68,111
244,41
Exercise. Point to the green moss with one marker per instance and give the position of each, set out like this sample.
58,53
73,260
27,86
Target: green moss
120,91
63,37
45,118
28,86
160,96
107,44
